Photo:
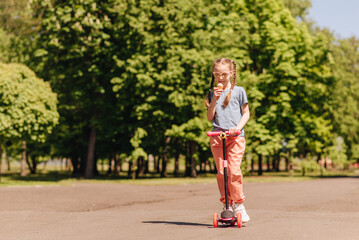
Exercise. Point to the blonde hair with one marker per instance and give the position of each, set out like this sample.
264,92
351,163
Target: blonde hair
232,66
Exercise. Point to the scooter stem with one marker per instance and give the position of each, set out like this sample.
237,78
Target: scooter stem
225,163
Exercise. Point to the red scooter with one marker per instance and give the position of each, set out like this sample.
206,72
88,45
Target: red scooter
227,216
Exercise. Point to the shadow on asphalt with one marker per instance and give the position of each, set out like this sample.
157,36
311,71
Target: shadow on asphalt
191,224
179,223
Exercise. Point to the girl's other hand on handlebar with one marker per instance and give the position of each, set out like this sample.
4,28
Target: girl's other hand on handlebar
233,132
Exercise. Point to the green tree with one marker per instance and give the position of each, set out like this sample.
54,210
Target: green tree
345,104
131,76
4,46
76,49
160,71
20,27
298,8
28,110
174,45
288,96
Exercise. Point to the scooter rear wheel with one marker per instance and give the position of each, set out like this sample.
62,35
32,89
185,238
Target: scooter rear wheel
215,220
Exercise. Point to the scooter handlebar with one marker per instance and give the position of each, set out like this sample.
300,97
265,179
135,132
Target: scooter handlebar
217,133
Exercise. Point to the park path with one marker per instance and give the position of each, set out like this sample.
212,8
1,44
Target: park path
316,209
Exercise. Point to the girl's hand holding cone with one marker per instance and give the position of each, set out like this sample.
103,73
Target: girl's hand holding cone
218,90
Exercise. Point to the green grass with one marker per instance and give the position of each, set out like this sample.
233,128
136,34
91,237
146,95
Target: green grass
65,178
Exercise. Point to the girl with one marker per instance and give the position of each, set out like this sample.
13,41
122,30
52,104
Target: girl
229,111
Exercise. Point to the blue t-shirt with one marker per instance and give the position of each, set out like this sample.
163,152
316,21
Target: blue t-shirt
229,117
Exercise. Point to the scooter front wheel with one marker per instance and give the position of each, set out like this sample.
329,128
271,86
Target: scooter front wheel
215,220
239,220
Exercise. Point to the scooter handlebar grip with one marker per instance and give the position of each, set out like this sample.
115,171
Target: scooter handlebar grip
209,133
217,133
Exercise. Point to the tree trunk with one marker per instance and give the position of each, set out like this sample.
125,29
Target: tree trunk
90,163
212,166
154,163
290,163
277,162
110,160
252,166
83,163
142,170
96,173
75,165
319,156
164,161
268,164
287,164
325,162
68,165
61,160
140,166
2,158
193,160
260,169
133,170
165,157
147,166
84,150
188,159
1,171
176,171
8,164
32,163
129,173
157,164
23,160
203,160
28,163
118,166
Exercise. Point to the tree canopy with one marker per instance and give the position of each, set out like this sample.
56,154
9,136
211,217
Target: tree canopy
28,107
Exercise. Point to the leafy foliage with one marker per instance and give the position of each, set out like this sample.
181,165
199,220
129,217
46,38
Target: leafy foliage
28,108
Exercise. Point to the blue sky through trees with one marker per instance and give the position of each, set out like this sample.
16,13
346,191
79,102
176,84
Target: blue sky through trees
341,16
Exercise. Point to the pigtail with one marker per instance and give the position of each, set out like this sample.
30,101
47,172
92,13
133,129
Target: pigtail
233,83
208,97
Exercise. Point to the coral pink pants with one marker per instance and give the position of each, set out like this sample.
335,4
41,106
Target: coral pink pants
235,147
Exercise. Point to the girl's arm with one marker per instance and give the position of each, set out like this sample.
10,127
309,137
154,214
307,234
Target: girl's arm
211,109
212,106
242,122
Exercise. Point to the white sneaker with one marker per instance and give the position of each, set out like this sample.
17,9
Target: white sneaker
239,208
230,207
